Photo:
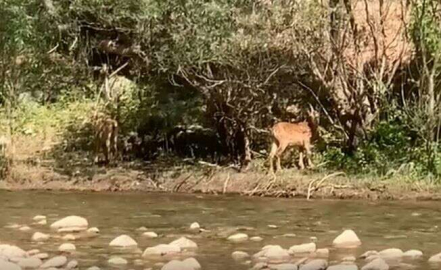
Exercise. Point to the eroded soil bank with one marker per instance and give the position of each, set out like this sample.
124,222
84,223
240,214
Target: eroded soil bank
210,179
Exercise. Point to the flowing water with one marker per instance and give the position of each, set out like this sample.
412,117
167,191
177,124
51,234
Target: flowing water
380,225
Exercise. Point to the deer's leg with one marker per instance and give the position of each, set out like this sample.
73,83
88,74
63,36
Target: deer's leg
301,163
279,153
308,155
271,156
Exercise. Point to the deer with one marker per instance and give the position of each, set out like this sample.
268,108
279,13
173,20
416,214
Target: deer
285,134
105,137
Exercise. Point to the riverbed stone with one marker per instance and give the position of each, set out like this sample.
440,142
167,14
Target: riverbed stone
41,256
39,217
238,237
150,235
31,263
435,258
317,264
391,253
123,241
32,252
67,247
40,237
347,239
239,255
117,261
56,262
25,228
9,251
184,243
93,230
273,254
188,264
413,254
377,264
195,226
93,268
343,267
73,264
70,222
303,248
9,266
322,253
369,253
256,239
284,266
161,250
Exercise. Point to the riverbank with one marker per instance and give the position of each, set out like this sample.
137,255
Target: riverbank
189,177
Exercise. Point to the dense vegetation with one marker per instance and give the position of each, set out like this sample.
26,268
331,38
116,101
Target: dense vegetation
221,72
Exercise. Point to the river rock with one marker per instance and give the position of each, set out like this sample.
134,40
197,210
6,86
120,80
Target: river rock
322,253
184,243
123,241
67,247
72,264
117,261
284,266
161,250
239,237
343,267
256,239
195,226
41,222
391,253
93,268
70,222
369,254
9,252
317,264
303,248
93,230
150,235
40,237
189,264
39,217
239,255
377,264
348,239
69,237
56,262
41,256
32,252
31,262
274,254
434,259
8,265
24,228
413,254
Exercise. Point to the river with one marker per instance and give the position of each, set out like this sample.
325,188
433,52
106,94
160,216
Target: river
379,225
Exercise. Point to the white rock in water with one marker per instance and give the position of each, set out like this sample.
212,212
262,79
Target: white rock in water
150,235
123,241
93,230
42,256
184,243
72,264
343,267
413,254
195,226
117,261
256,239
239,237
8,265
70,222
239,255
369,254
39,237
42,222
39,218
348,239
56,262
322,252
32,252
274,254
161,250
188,264
24,228
377,264
93,268
303,248
9,252
31,262
284,266
317,264
434,259
67,247
391,253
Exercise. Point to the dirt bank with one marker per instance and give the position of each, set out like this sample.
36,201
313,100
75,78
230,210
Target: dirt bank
210,179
